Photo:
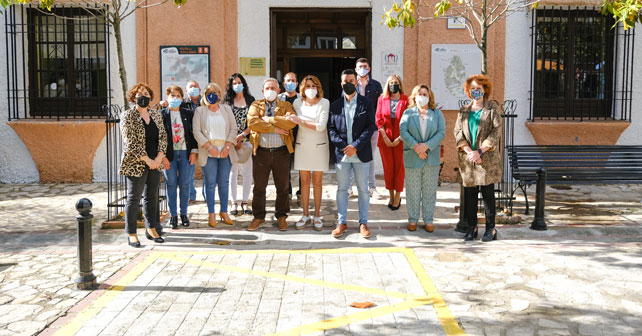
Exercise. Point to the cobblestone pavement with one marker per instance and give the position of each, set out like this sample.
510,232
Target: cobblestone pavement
581,277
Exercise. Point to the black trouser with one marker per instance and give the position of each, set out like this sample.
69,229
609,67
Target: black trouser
147,187
470,204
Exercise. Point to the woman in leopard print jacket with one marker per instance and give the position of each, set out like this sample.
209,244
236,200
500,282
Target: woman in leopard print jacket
144,147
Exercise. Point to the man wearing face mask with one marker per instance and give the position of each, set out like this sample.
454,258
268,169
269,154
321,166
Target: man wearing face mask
290,84
272,141
351,124
370,88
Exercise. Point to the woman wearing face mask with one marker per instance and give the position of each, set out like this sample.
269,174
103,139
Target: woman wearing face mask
215,131
390,108
182,152
422,129
478,134
144,147
311,153
237,95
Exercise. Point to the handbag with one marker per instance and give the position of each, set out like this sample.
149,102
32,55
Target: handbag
243,153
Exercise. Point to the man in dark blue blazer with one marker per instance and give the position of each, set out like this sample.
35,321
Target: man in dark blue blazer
351,124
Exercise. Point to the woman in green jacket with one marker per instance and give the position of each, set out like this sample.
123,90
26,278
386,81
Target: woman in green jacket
422,128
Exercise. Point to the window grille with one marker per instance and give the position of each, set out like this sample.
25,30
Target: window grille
581,66
57,63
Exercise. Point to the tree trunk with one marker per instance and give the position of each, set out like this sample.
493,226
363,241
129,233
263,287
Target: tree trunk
484,53
121,63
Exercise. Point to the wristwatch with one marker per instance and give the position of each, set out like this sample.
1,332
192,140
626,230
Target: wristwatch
480,151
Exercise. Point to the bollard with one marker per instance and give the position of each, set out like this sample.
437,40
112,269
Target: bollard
462,225
86,278
539,223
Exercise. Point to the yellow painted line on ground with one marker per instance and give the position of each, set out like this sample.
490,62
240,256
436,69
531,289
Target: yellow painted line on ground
72,327
445,317
292,278
358,250
352,318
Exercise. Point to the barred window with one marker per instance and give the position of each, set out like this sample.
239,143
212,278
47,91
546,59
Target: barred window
581,66
59,61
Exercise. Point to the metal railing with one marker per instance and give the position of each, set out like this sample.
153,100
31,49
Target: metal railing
581,65
57,62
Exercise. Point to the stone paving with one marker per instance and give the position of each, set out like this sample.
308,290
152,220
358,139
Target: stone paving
581,277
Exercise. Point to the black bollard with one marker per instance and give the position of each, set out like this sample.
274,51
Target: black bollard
86,278
539,223
462,225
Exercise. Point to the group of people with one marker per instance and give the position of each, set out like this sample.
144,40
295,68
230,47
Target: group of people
227,131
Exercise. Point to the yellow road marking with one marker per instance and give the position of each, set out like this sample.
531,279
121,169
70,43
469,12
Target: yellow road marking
348,319
313,282
445,317
72,327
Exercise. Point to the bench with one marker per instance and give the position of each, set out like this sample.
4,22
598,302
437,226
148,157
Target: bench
567,165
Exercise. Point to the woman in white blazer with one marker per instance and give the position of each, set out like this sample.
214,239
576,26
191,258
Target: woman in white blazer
311,151
215,132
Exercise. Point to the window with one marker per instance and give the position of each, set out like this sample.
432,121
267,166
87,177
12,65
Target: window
60,63
580,66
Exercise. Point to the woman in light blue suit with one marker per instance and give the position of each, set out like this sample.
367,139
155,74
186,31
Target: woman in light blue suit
422,128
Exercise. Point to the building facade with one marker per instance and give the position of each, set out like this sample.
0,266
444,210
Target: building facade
571,75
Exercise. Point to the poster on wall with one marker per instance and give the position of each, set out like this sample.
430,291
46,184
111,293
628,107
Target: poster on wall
450,65
391,64
180,64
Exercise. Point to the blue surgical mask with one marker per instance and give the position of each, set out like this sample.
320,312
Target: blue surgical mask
238,88
290,86
193,91
476,94
174,102
212,98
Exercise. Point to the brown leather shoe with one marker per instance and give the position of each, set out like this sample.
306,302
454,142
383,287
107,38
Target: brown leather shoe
339,230
256,222
429,227
283,225
412,226
363,229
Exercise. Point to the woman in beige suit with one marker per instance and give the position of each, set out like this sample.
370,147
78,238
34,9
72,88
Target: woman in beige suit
478,133
215,132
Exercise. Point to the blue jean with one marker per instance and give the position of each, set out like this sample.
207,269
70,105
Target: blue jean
372,181
217,173
360,170
192,190
178,176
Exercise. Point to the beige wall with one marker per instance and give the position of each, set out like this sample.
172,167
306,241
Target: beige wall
199,22
418,41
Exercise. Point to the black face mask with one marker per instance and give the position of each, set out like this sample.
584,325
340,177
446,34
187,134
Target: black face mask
142,101
349,88
394,88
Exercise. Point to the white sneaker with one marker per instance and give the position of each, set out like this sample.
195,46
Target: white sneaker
318,224
373,190
300,225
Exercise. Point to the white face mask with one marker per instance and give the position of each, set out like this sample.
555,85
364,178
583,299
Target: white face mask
362,72
270,95
421,100
310,93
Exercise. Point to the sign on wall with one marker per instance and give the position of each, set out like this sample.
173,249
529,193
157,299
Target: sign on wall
180,64
456,23
252,66
450,65
391,64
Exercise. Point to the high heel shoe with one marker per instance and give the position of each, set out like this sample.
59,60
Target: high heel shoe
155,239
246,210
489,235
135,244
471,234
211,220
235,209
227,220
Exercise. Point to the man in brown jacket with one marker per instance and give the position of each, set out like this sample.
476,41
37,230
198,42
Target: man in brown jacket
271,137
